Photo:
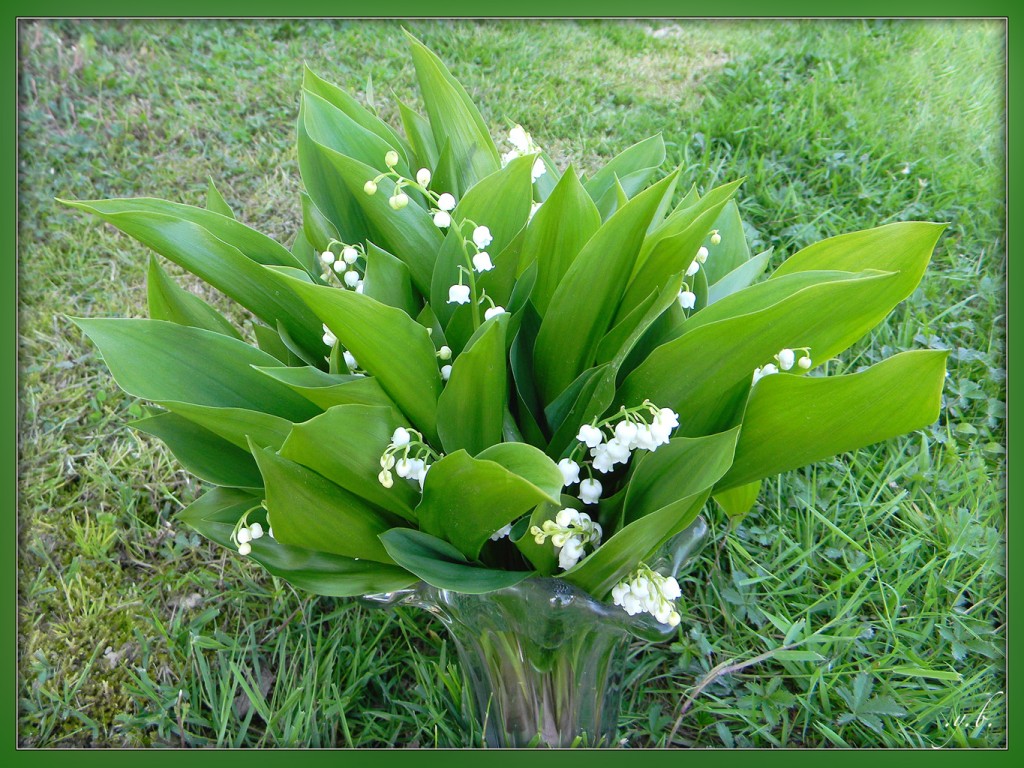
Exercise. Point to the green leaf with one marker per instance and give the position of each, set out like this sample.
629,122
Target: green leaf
201,452
791,421
592,401
329,389
682,468
500,201
557,233
332,128
216,203
335,182
239,426
388,281
417,128
270,341
739,278
441,565
465,500
529,463
826,317
345,444
543,557
169,301
454,119
212,255
619,556
620,340
309,511
159,361
341,100
588,295
387,342
140,217
672,247
317,228
733,251
215,513
471,406
737,502
632,169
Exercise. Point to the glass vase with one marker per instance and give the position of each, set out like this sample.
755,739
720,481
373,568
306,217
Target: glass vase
544,662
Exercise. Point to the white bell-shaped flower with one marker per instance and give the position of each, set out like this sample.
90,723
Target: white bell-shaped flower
570,553
804,362
327,257
482,262
625,431
351,278
446,202
786,358
645,438
350,255
590,490
442,219
590,435
702,254
493,312
687,299
401,437
602,459
538,170
423,177
618,451
502,532
693,268
570,472
482,237
446,372
350,360
458,294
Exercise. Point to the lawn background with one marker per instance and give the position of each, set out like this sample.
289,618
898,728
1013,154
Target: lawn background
822,119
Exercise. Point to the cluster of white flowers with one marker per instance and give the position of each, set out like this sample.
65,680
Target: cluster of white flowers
346,267
408,456
648,591
785,360
246,533
523,144
569,532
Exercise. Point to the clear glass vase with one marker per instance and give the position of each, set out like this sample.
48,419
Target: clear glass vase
544,661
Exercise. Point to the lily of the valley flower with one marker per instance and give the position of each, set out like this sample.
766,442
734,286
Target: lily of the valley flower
804,362
370,187
482,237
327,258
350,360
329,338
446,372
349,254
400,438
648,591
398,201
423,177
493,312
442,219
715,237
570,472
590,490
446,202
760,373
570,532
351,278
786,358
693,268
391,159
502,532
687,299
590,435
458,294
702,254
482,262
445,352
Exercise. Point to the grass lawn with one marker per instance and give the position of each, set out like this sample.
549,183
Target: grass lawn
869,590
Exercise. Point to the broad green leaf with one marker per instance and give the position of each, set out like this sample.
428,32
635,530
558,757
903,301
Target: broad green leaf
269,341
317,228
592,401
500,201
210,255
138,216
216,203
588,295
529,463
557,233
739,278
452,255
341,100
168,301
345,444
201,452
528,405
417,128
905,246
329,389
791,421
689,376
732,251
620,340
387,342
737,502
239,426
299,356
682,468
307,510
471,406
454,119
632,168
335,182
156,360
465,500
215,513
664,256
441,565
332,128
388,281
619,556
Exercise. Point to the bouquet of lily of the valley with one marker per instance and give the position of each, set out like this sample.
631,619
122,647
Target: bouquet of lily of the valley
471,368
